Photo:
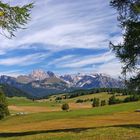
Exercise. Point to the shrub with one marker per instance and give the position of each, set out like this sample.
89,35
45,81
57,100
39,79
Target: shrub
103,103
91,100
79,101
132,98
65,107
96,102
113,100
58,98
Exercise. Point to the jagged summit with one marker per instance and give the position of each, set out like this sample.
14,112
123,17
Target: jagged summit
40,74
35,75
40,81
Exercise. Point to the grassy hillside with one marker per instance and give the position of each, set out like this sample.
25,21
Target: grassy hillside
44,120
11,91
101,96
17,104
96,123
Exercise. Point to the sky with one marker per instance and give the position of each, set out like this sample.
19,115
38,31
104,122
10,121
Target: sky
63,36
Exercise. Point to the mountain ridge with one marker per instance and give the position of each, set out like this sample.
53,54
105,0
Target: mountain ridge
42,83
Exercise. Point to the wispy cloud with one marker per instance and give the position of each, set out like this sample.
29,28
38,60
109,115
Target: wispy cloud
78,62
91,60
112,68
61,25
22,61
13,73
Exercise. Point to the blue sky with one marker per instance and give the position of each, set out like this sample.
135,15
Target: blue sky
63,36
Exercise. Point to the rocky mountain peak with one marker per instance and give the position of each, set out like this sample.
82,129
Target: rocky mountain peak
40,74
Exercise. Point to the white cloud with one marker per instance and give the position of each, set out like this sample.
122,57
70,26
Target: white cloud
62,59
112,68
65,24
88,60
22,61
13,73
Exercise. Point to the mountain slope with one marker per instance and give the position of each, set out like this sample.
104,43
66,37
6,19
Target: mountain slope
92,81
40,83
12,91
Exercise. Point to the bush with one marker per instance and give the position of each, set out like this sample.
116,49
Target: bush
96,102
103,103
79,101
113,100
3,106
65,107
58,98
132,98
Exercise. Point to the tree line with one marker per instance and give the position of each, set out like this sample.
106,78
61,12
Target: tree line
96,102
77,93
113,100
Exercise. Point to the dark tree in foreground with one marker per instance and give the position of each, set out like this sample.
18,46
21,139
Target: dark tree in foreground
3,106
65,107
129,50
13,18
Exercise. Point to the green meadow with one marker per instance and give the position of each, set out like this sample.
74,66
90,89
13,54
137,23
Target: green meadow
44,120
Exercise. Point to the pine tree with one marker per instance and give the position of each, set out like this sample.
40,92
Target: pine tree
129,51
65,107
103,102
96,102
3,106
13,18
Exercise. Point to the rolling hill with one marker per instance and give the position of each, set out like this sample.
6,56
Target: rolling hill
10,91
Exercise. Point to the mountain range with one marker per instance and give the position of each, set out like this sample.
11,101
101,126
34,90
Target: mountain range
41,83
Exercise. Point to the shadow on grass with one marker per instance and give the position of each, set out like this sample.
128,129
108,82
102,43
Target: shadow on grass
75,130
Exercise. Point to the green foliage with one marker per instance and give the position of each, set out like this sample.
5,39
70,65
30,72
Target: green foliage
127,9
132,98
99,90
12,92
103,102
13,18
134,83
113,100
79,101
3,106
65,107
129,51
58,98
96,102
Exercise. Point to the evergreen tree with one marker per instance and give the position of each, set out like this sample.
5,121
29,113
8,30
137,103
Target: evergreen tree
13,18
129,51
113,100
3,106
96,102
103,102
65,107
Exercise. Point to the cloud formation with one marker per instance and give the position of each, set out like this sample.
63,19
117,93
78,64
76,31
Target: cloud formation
61,36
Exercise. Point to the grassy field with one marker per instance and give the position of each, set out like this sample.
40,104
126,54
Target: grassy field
102,96
102,123
17,104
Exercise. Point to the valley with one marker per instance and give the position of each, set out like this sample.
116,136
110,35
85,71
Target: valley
70,70
51,104
45,120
